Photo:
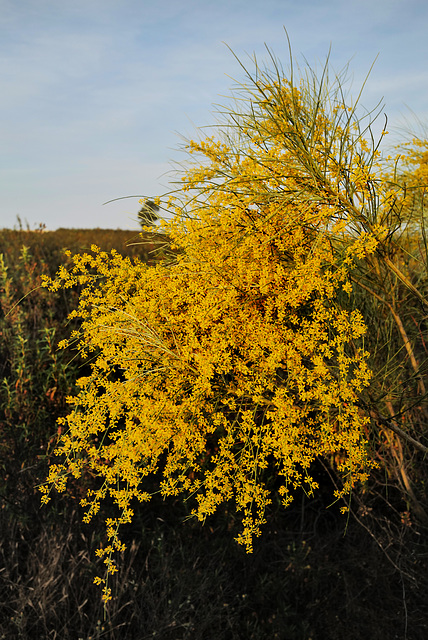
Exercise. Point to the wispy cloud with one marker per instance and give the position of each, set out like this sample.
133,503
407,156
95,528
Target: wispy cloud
94,91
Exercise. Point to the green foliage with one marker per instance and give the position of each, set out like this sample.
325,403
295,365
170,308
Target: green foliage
34,376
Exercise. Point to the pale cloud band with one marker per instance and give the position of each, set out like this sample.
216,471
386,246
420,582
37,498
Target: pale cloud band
94,93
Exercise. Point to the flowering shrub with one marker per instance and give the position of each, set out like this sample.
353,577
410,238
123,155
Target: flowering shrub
238,358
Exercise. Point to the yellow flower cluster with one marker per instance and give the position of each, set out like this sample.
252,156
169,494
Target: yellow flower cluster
233,366
233,360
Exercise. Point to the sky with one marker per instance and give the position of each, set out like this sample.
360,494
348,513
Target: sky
98,96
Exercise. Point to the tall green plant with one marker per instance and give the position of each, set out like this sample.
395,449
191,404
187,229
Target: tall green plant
34,376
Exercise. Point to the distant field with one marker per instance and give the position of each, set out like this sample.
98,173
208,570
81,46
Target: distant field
48,246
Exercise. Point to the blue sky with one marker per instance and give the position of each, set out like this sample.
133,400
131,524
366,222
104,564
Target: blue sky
94,94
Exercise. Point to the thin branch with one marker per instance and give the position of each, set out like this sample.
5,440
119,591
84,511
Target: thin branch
392,425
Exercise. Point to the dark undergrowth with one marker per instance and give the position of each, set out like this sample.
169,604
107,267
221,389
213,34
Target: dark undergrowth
313,574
